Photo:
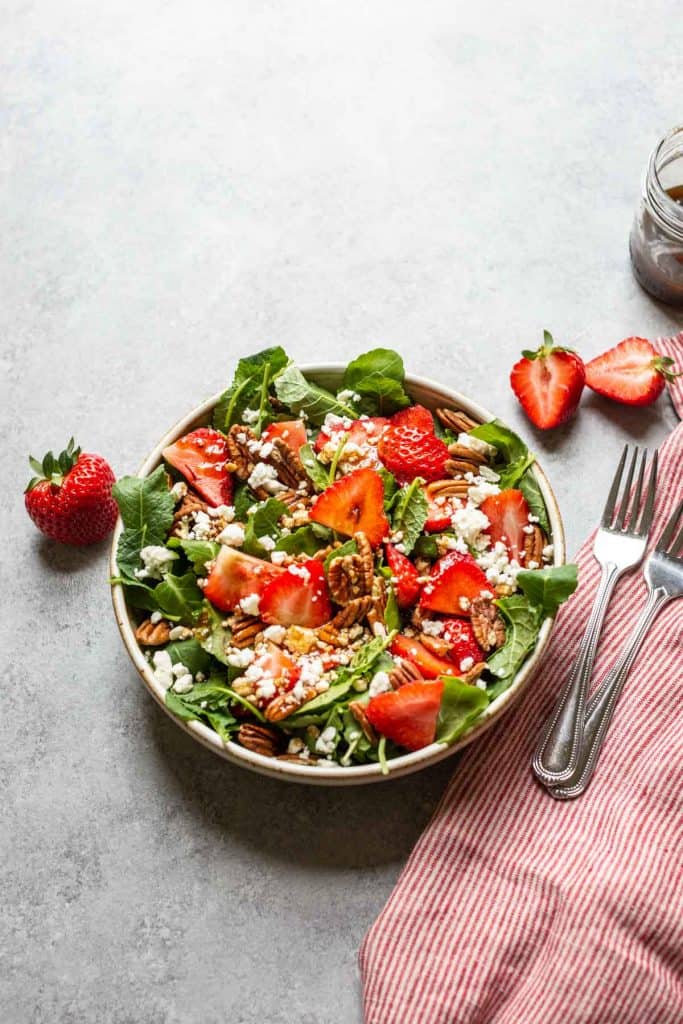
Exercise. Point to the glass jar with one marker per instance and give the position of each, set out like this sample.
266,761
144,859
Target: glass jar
656,242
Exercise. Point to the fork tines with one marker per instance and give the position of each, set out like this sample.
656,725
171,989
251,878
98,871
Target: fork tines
664,543
621,513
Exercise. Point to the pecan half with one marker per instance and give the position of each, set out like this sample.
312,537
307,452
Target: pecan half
487,625
290,470
333,637
191,502
152,634
359,713
435,644
447,489
260,739
355,611
238,440
456,420
404,673
245,628
287,703
379,602
534,542
297,759
473,673
463,460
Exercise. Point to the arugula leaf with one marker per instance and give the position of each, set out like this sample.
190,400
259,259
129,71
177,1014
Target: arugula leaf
181,708
222,722
409,513
301,396
199,552
179,597
390,487
461,705
349,547
315,470
377,376
190,654
250,383
242,501
528,485
263,522
213,636
523,622
215,696
306,540
546,589
146,506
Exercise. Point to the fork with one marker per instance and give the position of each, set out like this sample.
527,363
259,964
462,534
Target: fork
619,547
663,574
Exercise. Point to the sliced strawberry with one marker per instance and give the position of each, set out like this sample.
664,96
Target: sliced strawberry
459,633
508,514
440,510
201,457
359,432
292,432
408,451
276,664
414,416
405,577
430,665
298,597
548,383
235,576
353,504
455,580
632,372
407,716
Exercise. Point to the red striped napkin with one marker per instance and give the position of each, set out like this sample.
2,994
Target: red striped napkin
515,908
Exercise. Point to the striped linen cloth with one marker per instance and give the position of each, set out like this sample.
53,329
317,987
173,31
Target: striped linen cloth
515,908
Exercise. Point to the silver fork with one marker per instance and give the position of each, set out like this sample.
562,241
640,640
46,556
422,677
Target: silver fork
619,547
664,577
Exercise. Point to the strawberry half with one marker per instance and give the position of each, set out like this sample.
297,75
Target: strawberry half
297,597
201,456
353,504
454,582
430,665
407,716
414,416
508,514
459,633
236,575
548,383
360,432
408,451
440,510
632,372
405,576
292,432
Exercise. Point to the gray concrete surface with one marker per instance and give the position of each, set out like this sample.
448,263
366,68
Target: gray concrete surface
182,183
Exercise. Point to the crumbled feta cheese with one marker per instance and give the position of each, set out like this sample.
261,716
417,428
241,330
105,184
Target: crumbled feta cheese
480,684
532,518
155,617
464,603
488,474
178,669
432,627
528,528
250,415
275,633
466,664
267,543
179,490
265,449
156,562
180,633
240,658
475,444
333,422
226,512
278,557
232,535
379,684
401,548
250,604
481,489
266,688
301,571
161,661
497,565
379,629
183,683
347,395
468,523
326,742
264,475
295,745
548,552
532,564
201,528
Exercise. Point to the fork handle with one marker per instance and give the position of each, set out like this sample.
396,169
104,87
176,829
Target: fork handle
557,754
604,700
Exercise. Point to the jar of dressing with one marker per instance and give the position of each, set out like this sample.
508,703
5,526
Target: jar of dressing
656,242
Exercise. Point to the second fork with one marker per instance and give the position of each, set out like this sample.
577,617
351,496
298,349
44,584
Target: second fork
619,547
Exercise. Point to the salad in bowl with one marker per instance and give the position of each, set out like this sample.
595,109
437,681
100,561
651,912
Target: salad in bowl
342,573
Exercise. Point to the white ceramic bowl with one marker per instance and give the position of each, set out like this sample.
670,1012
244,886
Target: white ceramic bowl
427,393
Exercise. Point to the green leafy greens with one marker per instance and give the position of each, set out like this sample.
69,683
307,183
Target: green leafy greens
377,377
409,513
305,397
146,506
250,389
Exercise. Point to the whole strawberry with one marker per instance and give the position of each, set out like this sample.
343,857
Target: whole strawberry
70,499
548,383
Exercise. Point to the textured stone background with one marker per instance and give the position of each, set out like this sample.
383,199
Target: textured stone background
182,183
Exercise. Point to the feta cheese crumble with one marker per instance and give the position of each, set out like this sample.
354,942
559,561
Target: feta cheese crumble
265,476
250,604
379,684
232,535
156,562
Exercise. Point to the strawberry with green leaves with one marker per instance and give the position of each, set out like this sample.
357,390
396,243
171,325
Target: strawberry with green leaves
69,499
632,372
548,383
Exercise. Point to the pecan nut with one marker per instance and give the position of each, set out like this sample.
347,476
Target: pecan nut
405,672
360,714
355,611
379,603
245,628
473,673
487,625
447,489
435,644
290,470
455,420
286,704
190,503
153,634
260,739
534,542
333,637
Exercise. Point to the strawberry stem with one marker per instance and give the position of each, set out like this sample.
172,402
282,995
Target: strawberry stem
546,349
53,469
665,366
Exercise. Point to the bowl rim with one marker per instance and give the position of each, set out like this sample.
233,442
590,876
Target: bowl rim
337,775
